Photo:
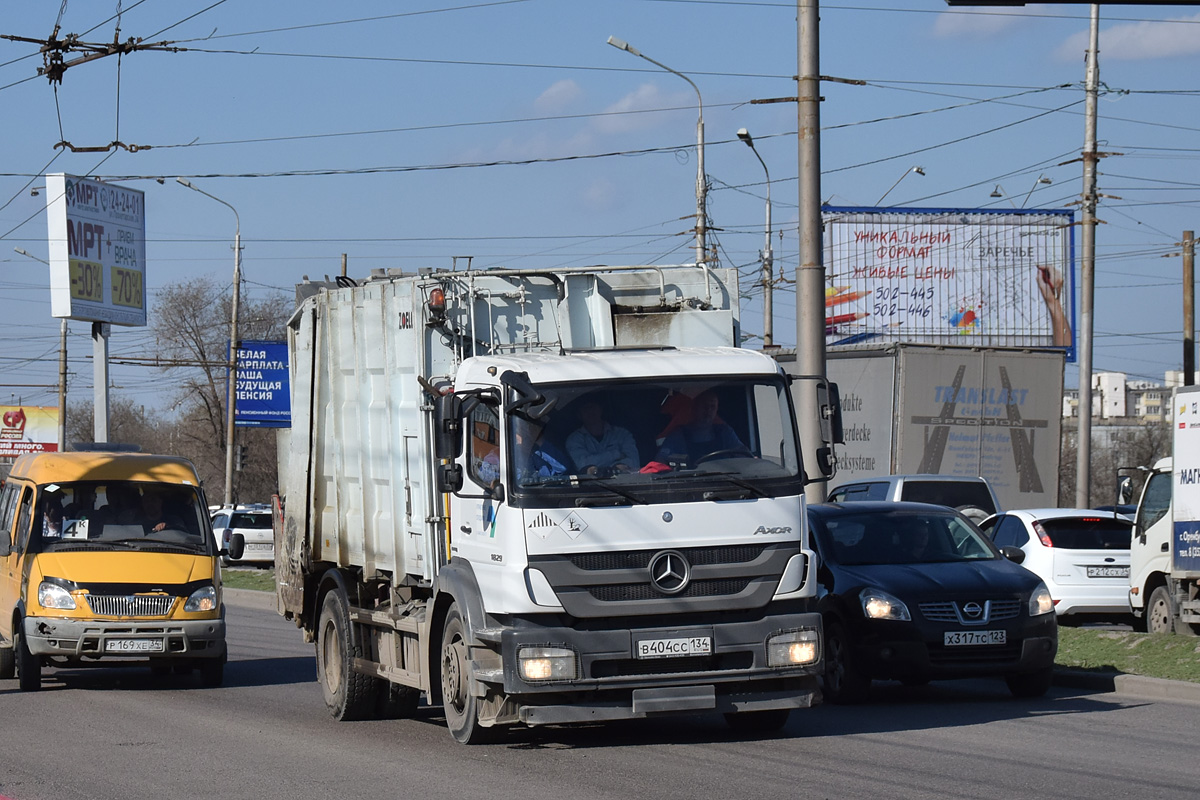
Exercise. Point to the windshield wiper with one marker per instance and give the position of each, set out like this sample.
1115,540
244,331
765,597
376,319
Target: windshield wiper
747,485
583,501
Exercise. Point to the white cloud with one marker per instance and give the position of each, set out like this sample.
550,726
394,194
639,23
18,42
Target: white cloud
979,23
646,97
1139,41
559,96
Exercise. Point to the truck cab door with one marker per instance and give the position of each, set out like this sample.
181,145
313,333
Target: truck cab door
473,508
1150,549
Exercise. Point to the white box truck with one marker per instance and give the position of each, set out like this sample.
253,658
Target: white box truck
457,527
989,412
1164,556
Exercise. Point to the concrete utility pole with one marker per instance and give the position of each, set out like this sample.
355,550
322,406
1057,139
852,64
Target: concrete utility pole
810,273
1189,308
1087,270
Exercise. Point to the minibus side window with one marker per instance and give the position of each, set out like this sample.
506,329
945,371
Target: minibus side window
8,505
25,516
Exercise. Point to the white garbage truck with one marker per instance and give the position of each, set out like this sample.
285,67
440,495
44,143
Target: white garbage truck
1164,557
537,497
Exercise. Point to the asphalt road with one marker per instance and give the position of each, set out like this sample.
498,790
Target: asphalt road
265,734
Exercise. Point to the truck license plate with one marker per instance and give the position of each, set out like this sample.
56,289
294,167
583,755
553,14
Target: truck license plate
1108,572
133,646
953,638
668,648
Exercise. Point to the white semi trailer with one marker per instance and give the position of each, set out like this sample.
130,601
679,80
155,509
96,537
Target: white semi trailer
443,536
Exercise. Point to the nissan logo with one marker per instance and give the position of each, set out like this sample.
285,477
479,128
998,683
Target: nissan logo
972,610
669,572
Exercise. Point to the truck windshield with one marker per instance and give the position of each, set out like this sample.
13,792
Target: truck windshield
120,515
652,440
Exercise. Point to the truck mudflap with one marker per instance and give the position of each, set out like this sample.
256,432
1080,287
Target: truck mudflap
631,673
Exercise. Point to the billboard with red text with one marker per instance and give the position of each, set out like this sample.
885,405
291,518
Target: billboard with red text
950,276
28,429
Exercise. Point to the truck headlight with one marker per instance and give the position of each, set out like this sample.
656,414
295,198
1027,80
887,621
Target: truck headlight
1040,602
547,664
203,599
793,649
878,604
51,595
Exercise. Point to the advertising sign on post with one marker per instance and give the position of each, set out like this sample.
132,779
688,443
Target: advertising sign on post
263,394
950,276
97,250
28,429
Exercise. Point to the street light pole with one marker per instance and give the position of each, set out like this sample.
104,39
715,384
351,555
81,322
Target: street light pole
231,394
766,255
701,180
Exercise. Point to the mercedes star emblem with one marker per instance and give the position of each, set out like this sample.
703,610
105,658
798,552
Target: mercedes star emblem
669,572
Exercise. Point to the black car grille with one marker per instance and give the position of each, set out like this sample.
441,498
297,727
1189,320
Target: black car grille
951,611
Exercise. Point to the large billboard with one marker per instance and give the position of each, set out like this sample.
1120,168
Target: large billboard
97,250
263,394
28,429
950,277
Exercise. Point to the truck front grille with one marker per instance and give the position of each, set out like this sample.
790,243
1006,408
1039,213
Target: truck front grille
130,605
721,578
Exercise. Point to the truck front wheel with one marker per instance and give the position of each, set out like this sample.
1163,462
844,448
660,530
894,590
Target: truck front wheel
461,707
1160,612
349,695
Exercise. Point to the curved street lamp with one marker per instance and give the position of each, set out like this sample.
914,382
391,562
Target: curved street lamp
701,183
765,255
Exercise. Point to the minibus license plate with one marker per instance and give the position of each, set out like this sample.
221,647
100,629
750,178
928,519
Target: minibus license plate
133,646
668,648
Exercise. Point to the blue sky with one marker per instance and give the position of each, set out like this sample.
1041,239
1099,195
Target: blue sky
405,133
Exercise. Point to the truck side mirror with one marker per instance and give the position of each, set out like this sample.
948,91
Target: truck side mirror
1124,490
448,442
449,478
829,404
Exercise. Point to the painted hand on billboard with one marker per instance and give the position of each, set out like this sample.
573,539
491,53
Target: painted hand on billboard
1050,283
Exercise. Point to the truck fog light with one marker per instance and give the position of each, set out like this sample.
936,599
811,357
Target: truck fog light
793,648
547,664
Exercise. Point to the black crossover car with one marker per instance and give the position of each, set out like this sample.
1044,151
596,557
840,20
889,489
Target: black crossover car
914,592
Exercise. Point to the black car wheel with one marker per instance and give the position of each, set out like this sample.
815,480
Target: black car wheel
843,683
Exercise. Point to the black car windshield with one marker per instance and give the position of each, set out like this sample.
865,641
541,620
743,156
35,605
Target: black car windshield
128,515
885,537
650,440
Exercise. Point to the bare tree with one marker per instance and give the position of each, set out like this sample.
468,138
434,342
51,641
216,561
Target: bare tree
190,325
1115,453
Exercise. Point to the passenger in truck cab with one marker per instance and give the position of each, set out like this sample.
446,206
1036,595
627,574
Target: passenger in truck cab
705,434
599,447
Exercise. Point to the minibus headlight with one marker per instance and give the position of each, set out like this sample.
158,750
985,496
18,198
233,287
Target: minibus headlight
204,599
51,595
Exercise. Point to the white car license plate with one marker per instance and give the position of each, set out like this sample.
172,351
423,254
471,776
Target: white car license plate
1108,572
953,638
668,648
133,646
260,548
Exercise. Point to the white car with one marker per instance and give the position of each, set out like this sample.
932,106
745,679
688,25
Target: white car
253,522
1082,555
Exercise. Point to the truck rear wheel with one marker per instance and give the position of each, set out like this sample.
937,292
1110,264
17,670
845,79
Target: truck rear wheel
349,695
461,707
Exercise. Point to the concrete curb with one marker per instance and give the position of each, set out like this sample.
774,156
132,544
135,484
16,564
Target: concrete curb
1132,685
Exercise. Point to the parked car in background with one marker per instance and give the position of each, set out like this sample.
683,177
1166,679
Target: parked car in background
1082,555
253,522
973,496
914,592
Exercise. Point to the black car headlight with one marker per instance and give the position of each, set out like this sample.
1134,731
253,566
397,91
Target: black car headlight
1040,602
878,604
